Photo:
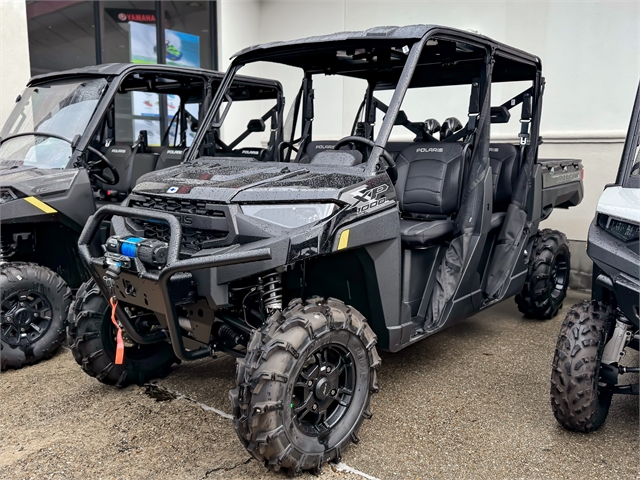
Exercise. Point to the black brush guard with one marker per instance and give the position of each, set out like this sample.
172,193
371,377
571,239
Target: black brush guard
158,277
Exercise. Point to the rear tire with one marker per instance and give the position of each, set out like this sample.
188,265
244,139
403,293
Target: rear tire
34,302
93,344
305,385
548,279
577,399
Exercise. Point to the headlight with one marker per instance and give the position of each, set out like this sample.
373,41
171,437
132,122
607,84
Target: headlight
48,183
620,229
290,216
6,195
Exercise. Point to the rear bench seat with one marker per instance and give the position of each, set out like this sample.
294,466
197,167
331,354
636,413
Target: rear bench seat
156,158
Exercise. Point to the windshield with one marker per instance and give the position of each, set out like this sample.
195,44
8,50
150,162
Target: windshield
62,109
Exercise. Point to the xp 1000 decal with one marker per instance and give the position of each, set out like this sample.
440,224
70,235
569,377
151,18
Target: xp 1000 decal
370,197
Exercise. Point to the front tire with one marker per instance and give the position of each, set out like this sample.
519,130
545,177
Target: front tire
34,302
305,385
94,347
548,278
578,401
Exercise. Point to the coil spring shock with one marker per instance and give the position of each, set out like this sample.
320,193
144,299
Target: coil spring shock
270,287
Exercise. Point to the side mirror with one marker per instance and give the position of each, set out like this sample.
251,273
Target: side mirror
256,125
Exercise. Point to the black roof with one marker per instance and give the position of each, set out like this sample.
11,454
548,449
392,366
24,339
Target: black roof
118,69
339,53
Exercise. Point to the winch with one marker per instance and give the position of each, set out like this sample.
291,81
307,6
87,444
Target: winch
149,250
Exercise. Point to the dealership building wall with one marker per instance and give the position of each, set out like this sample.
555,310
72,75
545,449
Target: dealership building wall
590,55
14,53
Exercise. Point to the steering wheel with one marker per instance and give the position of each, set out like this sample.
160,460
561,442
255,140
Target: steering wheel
92,165
391,164
95,168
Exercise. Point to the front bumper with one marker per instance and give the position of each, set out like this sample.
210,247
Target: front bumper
156,290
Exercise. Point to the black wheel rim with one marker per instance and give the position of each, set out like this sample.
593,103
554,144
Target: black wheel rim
559,276
25,317
323,390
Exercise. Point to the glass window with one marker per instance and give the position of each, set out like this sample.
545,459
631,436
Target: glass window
136,111
130,33
61,35
187,35
48,117
118,20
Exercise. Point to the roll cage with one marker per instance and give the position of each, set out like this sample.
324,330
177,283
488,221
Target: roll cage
396,58
187,83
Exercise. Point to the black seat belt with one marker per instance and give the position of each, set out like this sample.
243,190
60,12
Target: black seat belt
525,121
474,114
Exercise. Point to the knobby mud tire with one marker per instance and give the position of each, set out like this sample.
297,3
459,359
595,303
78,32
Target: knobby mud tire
93,346
542,294
20,278
579,402
263,416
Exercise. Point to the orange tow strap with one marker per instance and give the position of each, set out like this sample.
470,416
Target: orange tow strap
119,341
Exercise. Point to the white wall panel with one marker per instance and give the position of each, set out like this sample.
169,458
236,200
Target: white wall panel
14,60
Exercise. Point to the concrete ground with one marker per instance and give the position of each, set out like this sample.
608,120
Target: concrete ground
469,402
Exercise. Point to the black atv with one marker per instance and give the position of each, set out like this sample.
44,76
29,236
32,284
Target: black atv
595,334
70,146
305,265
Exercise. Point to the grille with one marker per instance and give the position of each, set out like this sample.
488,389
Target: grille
192,207
6,195
194,238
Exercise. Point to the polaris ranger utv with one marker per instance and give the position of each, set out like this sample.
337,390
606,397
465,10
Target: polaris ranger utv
595,334
69,146
307,262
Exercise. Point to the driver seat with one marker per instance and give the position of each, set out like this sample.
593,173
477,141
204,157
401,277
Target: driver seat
428,191
118,155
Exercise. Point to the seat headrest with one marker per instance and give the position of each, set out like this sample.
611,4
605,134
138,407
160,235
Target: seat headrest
429,178
118,151
256,153
170,157
431,126
342,158
172,153
313,148
450,126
